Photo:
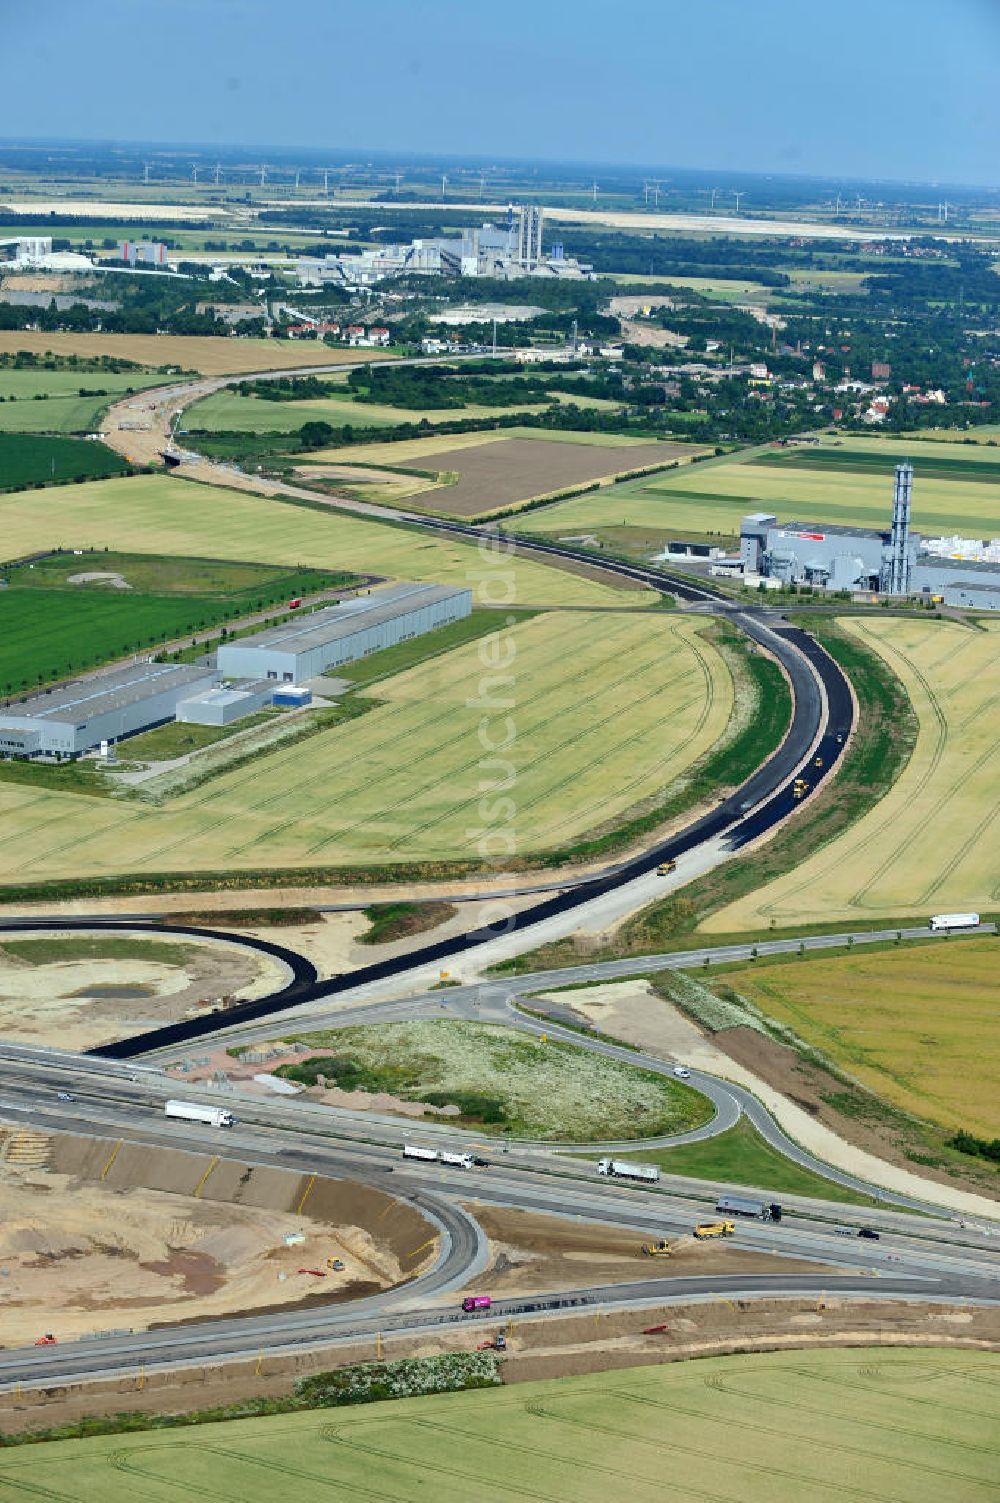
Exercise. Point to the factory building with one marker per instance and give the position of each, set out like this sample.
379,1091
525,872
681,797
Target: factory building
310,645
76,718
891,562
225,704
142,252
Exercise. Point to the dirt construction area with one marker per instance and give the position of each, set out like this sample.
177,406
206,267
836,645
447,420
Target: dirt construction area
97,1235
78,993
535,1254
510,471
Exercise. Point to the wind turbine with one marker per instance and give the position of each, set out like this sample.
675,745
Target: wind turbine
297,176
194,172
444,183
656,193
326,182
645,194
715,194
595,190
738,195
145,172
263,174
482,186
218,173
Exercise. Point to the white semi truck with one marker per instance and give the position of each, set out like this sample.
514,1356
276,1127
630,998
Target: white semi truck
946,921
648,1174
190,1111
433,1156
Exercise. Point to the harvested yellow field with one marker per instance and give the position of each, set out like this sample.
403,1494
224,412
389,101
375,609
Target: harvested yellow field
591,714
161,515
917,1026
931,844
190,352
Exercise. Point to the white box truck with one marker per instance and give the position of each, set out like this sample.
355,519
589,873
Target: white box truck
411,1151
190,1111
946,921
648,1174
457,1160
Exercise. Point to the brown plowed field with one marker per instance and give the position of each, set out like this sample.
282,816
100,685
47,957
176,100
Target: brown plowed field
511,471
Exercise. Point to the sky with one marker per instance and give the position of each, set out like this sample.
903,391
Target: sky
892,89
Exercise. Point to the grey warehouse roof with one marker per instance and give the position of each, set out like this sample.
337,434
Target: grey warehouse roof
832,529
335,621
86,698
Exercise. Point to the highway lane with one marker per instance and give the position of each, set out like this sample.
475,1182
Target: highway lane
182,1346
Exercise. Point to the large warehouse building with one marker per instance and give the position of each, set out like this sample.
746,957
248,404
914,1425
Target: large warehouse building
891,562
77,717
310,645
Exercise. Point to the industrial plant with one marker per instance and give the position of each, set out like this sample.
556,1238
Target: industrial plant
264,668
896,561
502,253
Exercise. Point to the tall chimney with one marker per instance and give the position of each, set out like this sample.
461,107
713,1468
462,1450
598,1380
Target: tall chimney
899,563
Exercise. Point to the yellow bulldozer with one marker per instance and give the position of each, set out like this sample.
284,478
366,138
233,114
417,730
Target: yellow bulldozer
661,1248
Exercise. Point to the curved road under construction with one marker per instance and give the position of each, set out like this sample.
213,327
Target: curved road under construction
923,1257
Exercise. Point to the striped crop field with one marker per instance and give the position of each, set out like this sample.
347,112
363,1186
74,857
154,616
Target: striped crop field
916,1025
160,515
592,715
956,489
872,1426
931,845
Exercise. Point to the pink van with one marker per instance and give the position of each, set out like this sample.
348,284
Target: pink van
476,1302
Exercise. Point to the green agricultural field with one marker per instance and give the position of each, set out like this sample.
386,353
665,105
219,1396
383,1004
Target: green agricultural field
65,401
608,710
504,1081
39,459
225,412
51,628
916,1026
163,515
803,485
930,845
869,1425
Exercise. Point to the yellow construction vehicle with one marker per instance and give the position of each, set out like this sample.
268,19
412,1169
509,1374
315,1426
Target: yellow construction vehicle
800,788
714,1229
660,1249
665,868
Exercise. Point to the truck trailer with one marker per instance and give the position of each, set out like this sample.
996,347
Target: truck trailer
647,1174
946,921
738,1205
443,1156
190,1111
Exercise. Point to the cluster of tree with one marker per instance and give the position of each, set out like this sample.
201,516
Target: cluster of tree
985,1148
441,387
286,389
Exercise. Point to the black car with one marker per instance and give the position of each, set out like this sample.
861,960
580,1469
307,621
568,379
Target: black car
869,1232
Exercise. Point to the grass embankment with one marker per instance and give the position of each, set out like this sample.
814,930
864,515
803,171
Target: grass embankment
523,1087
393,921
359,1383
880,748
742,1157
60,950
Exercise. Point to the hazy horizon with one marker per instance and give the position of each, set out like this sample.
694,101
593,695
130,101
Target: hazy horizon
899,93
